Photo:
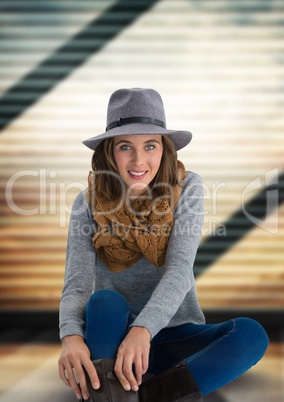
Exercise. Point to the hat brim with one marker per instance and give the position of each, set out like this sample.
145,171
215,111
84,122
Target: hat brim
179,138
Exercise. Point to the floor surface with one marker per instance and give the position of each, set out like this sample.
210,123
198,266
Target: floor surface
28,372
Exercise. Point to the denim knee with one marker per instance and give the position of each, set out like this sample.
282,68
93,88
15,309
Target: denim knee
252,337
108,317
107,299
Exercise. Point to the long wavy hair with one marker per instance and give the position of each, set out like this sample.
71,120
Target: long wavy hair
108,183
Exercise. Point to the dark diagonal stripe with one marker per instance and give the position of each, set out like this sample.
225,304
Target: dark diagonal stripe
237,226
68,57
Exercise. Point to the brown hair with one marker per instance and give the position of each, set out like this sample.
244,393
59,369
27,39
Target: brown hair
108,183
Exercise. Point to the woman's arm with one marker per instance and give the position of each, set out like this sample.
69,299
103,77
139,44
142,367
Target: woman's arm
79,272
78,287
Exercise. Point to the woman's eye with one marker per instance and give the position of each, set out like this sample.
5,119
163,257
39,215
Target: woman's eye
150,147
125,147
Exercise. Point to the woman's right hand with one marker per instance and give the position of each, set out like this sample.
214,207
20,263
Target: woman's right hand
74,357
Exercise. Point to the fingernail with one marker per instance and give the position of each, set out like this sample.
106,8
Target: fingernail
96,385
135,388
85,396
78,396
127,387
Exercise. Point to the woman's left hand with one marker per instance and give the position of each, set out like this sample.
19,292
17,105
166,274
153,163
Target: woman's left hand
134,350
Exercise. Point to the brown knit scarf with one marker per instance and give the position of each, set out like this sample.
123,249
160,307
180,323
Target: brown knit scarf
127,233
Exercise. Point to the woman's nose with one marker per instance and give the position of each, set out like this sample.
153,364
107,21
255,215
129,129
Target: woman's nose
138,157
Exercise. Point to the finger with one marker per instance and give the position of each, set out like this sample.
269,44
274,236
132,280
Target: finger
119,373
62,375
82,382
127,369
69,375
138,370
145,362
92,373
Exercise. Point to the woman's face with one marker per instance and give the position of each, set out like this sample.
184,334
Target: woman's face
137,159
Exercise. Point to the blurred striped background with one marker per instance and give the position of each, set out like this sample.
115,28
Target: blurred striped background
219,68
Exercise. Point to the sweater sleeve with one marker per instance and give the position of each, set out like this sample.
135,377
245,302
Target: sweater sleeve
79,272
178,277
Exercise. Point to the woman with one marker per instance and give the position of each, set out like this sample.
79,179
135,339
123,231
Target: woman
129,302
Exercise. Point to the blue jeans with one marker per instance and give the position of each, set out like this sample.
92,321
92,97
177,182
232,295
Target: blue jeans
214,353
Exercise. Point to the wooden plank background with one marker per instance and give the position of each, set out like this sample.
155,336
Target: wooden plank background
219,68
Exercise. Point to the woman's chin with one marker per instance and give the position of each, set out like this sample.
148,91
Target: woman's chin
137,189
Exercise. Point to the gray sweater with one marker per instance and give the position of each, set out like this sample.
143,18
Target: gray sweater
159,297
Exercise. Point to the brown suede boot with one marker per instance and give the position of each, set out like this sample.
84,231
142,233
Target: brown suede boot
110,389
174,385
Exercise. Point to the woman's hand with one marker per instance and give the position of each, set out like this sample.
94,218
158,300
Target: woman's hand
74,356
134,350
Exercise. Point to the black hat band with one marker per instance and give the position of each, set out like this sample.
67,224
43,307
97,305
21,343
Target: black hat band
129,120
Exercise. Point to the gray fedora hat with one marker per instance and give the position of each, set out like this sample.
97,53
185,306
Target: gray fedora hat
137,111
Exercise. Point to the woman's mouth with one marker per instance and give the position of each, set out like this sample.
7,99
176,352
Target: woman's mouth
137,174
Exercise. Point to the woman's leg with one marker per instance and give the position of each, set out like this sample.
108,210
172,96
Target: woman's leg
214,353
107,322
